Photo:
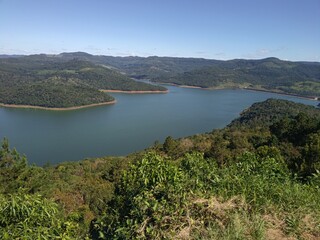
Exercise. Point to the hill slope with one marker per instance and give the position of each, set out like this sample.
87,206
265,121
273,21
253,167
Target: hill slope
48,81
271,74
268,112
144,67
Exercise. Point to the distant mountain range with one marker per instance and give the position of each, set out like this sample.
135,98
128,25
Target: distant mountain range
270,74
115,73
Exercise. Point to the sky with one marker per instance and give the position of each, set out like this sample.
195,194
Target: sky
215,29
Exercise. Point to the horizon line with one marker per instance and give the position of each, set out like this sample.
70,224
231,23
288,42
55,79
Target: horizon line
150,56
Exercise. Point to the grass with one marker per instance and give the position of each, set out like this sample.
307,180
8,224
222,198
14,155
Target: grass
193,198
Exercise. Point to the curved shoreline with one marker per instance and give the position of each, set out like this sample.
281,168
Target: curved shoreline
56,109
132,92
83,106
282,93
250,89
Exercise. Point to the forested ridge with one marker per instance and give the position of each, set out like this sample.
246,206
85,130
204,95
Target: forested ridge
47,81
258,178
108,72
270,74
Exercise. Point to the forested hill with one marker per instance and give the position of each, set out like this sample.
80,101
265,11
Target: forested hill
52,82
264,114
144,67
271,74
254,179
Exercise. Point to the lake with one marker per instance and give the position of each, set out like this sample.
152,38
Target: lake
135,122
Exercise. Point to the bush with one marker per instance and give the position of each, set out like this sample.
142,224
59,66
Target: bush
25,216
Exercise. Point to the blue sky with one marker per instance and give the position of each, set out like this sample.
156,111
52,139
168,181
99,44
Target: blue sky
218,29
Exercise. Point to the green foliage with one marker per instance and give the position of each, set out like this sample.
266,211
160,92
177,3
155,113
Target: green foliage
266,113
170,146
12,167
25,216
82,189
247,181
311,154
150,190
160,199
266,74
301,132
45,81
200,173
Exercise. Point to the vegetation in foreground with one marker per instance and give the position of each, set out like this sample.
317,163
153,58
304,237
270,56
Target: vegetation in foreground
258,178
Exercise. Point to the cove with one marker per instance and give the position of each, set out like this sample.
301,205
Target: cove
135,122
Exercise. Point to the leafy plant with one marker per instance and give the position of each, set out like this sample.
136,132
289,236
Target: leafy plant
24,216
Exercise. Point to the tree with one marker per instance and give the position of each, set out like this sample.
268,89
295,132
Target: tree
311,161
149,192
24,216
12,165
170,146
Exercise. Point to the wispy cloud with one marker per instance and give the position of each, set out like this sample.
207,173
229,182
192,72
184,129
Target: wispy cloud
205,54
264,52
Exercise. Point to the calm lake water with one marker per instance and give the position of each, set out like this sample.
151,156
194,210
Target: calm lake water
134,123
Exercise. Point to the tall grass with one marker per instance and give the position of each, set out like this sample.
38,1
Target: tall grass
252,198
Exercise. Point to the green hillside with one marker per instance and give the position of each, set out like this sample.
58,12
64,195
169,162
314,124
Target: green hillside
47,81
144,67
250,180
272,110
271,74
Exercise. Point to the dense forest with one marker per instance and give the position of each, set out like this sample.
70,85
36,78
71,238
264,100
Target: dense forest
94,72
46,81
144,67
271,74
258,178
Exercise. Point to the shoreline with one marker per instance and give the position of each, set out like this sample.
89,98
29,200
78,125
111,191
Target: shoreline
250,89
132,92
57,109
148,92
283,93
83,106
182,86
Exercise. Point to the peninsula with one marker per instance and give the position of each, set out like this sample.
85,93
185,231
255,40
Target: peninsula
55,83
57,109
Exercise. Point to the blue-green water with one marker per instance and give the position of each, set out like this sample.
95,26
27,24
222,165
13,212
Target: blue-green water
135,122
